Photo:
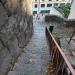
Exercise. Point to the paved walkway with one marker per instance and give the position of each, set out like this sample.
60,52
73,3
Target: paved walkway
35,58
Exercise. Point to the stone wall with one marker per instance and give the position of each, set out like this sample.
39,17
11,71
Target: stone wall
15,32
60,20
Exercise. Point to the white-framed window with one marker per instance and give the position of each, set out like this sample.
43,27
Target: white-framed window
34,12
55,4
50,0
35,5
49,5
42,5
35,0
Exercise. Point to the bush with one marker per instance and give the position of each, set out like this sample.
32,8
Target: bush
65,9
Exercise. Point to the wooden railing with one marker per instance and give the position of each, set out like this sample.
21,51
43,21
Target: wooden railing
58,58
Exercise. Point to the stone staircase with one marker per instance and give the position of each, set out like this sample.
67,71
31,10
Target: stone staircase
29,69
25,69
35,60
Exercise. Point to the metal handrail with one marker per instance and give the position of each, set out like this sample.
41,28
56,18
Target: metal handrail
54,45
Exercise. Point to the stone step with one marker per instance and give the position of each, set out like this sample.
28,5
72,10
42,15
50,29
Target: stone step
27,68
37,60
26,60
30,55
22,73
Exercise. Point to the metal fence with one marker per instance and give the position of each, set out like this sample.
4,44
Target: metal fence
58,58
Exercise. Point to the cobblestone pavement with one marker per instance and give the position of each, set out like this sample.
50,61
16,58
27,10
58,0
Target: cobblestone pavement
35,58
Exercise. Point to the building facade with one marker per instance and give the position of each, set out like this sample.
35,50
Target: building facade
43,6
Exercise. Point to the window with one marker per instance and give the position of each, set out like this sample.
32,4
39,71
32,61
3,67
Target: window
35,5
45,11
49,5
42,5
62,4
35,0
56,4
34,12
50,0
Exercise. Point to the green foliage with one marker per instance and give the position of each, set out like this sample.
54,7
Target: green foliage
65,9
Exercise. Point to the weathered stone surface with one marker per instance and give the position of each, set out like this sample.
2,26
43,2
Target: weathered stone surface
14,6
3,15
15,32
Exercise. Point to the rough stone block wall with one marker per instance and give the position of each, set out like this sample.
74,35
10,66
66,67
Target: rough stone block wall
60,20
15,32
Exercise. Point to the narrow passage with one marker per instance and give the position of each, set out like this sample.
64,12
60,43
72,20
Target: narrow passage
35,60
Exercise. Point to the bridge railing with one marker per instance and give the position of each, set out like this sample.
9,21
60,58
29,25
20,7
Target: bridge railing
58,58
